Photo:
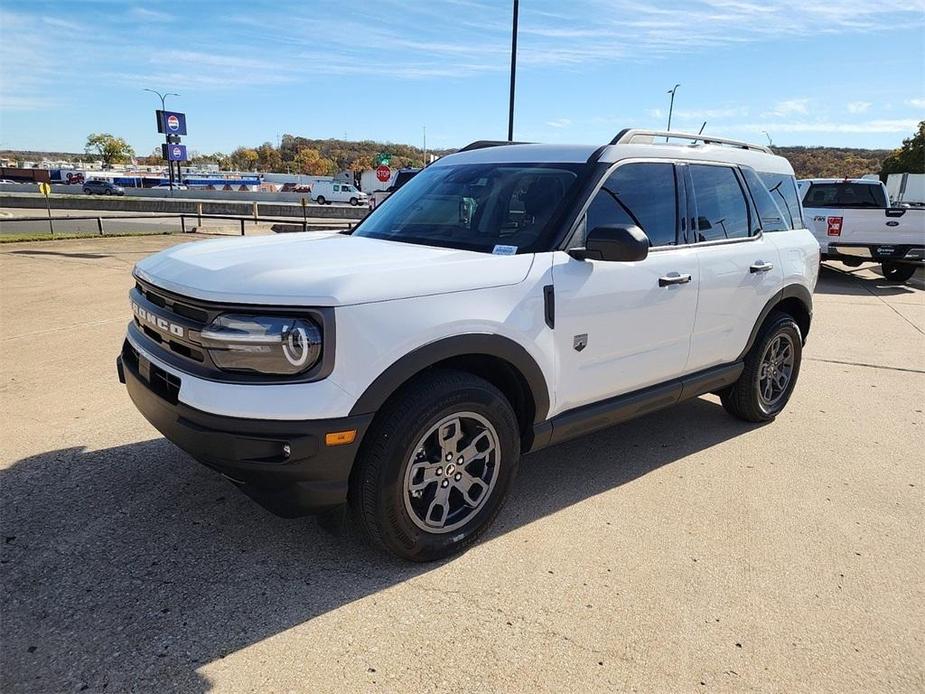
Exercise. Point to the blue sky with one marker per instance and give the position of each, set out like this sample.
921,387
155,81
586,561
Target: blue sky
812,72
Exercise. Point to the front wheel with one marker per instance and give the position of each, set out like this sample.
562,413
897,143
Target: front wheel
897,272
771,369
108,192
436,465
354,202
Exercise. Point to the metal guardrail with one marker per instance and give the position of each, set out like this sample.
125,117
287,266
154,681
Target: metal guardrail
182,217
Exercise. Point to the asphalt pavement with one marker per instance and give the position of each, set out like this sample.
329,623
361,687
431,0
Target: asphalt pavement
684,551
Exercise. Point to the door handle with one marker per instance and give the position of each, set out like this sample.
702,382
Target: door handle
760,266
673,278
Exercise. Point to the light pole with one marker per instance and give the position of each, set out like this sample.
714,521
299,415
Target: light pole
163,98
510,116
770,143
671,106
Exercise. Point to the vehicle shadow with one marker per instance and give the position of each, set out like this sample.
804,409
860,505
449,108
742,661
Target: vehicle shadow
838,279
129,568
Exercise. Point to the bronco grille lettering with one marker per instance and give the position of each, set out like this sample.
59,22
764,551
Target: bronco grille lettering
156,321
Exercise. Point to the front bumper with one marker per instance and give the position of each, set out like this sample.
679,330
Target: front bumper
283,465
876,253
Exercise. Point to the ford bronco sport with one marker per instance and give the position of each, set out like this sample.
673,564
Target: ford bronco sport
509,297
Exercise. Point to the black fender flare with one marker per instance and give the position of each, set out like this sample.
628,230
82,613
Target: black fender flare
791,291
427,355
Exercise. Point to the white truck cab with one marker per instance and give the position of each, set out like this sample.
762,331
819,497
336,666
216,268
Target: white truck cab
854,222
326,192
508,297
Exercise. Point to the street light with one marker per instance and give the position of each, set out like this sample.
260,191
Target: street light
770,143
510,116
671,106
163,98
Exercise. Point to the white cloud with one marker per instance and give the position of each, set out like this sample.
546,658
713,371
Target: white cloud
559,123
870,126
858,106
790,107
917,103
145,15
656,113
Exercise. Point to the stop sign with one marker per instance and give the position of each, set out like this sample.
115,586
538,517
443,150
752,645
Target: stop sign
383,173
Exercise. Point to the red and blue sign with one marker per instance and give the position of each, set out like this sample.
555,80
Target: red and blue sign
171,122
175,152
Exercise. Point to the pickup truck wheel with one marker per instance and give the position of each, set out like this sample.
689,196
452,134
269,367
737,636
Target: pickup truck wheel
897,272
320,200
771,369
436,466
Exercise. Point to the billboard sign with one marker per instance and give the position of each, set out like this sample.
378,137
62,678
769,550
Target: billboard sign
174,152
171,122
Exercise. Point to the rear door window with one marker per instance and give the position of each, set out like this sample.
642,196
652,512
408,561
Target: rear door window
722,209
845,194
642,195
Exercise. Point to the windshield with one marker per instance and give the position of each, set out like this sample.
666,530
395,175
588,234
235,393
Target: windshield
495,208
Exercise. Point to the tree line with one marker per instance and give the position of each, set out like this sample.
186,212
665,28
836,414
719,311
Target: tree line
295,154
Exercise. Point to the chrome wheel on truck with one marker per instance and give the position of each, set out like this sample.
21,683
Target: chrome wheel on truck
452,472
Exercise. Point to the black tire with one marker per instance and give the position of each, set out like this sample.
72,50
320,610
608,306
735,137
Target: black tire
744,398
897,272
378,497
108,192
88,191
354,202
320,199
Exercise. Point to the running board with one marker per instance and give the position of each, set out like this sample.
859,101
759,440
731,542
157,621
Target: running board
606,413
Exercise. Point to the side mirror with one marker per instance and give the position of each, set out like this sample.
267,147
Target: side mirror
612,243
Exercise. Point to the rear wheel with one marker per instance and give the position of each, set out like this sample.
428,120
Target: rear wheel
897,272
320,200
107,192
770,374
436,466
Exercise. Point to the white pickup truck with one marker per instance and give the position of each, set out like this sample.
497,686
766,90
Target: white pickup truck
854,223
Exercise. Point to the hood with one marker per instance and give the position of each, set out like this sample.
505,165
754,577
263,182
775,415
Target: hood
322,269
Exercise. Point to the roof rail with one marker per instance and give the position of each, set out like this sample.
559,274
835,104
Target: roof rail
626,137
482,144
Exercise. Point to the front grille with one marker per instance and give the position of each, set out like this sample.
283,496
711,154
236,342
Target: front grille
173,305
185,352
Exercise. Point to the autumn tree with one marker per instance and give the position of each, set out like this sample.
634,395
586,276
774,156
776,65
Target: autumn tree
109,148
268,158
244,159
910,158
310,161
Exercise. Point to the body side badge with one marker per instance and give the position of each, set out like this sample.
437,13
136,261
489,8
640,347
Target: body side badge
580,342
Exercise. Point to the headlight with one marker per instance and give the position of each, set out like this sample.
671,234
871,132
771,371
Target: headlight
265,344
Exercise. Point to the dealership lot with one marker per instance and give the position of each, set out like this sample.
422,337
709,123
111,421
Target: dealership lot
682,551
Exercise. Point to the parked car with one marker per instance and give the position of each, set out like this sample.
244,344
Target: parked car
98,187
377,197
6,182
854,223
326,192
167,186
508,298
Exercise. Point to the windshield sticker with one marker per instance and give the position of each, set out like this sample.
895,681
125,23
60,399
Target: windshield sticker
505,250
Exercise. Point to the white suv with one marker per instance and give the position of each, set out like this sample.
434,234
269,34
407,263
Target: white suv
509,297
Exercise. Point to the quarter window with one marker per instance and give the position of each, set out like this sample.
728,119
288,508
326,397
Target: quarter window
643,195
722,211
769,212
783,189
